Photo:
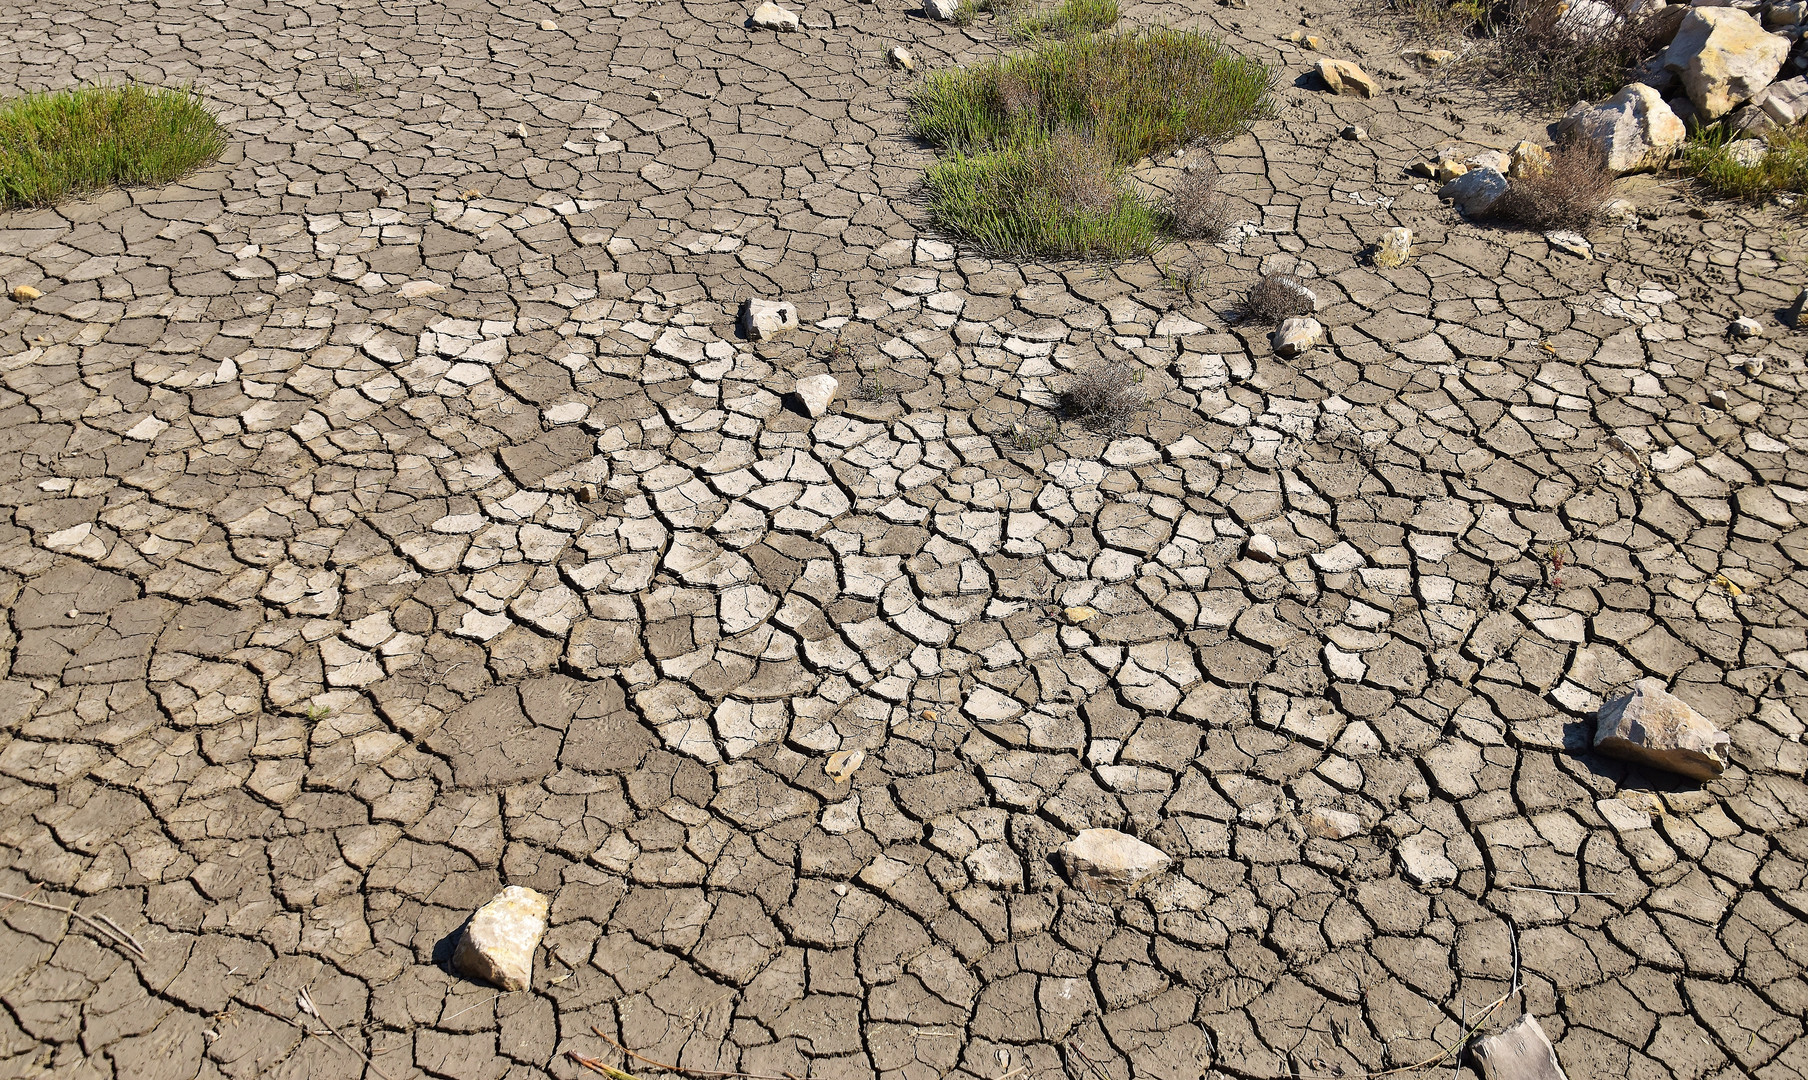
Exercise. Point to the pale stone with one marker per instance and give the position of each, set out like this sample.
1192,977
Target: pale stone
1110,862
762,320
1653,727
941,10
843,764
1724,57
770,16
1261,548
1449,165
1786,102
1634,129
1347,79
1521,1052
816,392
548,24
899,57
1747,327
1297,335
1476,191
1571,243
497,945
1393,248
24,294
1328,824
1078,615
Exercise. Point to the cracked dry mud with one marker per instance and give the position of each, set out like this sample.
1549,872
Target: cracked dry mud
313,644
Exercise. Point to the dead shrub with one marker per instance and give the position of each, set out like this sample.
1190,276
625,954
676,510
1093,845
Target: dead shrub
1277,297
1560,52
1567,194
1105,397
1195,209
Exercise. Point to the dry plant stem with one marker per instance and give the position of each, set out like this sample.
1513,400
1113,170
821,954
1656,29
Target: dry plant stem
680,1068
596,1066
1553,892
1098,1072
306,1002
99,923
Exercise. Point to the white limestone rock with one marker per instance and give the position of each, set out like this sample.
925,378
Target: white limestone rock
769,16
1724,57
1297,335
1476,191
498,944
816,392
762,320
1635,130
1653,727
1105,861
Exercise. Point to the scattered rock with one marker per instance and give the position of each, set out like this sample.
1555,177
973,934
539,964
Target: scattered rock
1476,191
548,24
24,294
1527,159
1260,547
816,392
1786,102
1355,133
1498,160
1570,243
1780,15
1724,58
1634,129
1449,165
1110,862
1432,57
1297,335
941,10
1078,615
1747,327
1794,317
1522,1052
1393,248
1621,212
497,945
843,764
1345,78
762,320
1328,824
899,57
769,16
1653,727
1307,41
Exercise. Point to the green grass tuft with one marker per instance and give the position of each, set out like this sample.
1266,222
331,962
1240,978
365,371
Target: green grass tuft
69,143
1067,19
1056,199
1783,168
1037,145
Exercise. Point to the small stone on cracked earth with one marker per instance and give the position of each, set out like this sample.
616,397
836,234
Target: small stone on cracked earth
1653,727
1108,862
497,945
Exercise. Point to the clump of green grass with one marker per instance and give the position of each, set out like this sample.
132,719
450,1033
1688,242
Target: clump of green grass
68,143
1037,145
1069,18
1061,198
1710,159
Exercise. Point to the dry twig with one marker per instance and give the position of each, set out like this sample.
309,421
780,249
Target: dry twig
100,924
305,1002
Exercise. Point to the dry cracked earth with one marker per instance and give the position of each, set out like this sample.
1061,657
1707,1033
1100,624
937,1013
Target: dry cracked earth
391,513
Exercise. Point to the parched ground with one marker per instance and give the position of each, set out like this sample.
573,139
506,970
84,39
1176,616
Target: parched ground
335,602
